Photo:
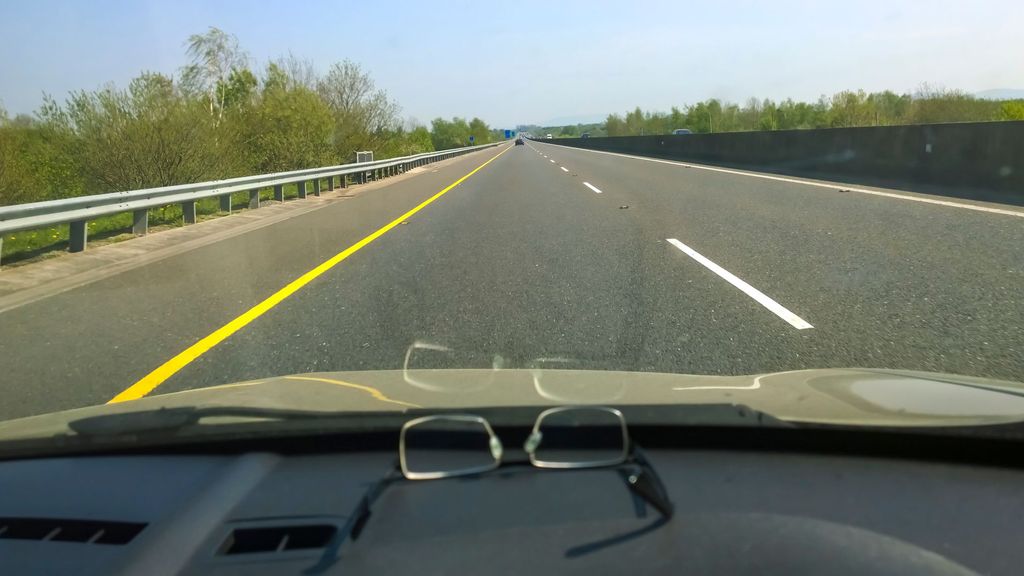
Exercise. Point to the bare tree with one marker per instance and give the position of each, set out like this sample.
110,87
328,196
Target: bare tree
300,71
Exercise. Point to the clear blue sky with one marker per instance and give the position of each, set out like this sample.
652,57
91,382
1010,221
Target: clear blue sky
526,61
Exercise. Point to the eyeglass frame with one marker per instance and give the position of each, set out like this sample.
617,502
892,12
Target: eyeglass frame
533,441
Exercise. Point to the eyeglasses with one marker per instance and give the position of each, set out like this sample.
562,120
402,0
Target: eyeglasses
567,437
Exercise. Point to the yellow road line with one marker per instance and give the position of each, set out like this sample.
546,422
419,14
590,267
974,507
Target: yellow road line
377,394
157,377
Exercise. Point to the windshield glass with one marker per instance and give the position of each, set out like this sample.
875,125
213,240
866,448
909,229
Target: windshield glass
816,214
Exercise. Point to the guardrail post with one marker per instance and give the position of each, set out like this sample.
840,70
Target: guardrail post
254,198
140,222
225,203
343,181
78,236
330,183
188,211
279,192
302,188
316,186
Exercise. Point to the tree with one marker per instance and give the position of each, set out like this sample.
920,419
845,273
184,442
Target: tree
405,142
931,105
148,135
614,125
419,140
363,115
289,129
215,55
480,131
275,78
656,123
298,71
239,89
769,116
704,117
850,108
890,108
635,122
445,135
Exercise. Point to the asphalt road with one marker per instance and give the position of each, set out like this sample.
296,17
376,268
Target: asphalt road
557,253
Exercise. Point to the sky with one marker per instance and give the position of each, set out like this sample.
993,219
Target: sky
527,61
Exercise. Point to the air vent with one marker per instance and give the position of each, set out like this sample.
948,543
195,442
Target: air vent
277,539
62,530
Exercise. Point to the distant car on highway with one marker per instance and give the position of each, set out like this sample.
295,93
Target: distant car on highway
519,141
585,135
548,136
681,131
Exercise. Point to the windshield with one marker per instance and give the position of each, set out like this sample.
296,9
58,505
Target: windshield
817,214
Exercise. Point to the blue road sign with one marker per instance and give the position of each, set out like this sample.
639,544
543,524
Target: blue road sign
471,139
508,134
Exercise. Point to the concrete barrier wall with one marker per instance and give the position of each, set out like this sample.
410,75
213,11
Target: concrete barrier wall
983,155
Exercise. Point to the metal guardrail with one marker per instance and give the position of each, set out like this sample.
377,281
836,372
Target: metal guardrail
77,211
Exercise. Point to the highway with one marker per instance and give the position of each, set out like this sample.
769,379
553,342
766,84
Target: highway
548,252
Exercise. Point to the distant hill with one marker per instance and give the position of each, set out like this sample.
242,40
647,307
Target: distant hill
1001,94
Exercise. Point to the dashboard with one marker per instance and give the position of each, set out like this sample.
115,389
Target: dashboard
736,512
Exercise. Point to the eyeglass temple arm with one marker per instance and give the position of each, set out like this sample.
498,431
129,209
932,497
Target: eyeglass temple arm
643,481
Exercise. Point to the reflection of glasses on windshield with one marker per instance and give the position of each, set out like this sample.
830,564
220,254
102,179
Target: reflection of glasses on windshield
569,437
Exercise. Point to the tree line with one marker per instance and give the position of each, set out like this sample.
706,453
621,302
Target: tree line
843,109
217,118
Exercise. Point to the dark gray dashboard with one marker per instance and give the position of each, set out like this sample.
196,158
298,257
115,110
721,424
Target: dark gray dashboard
736,513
